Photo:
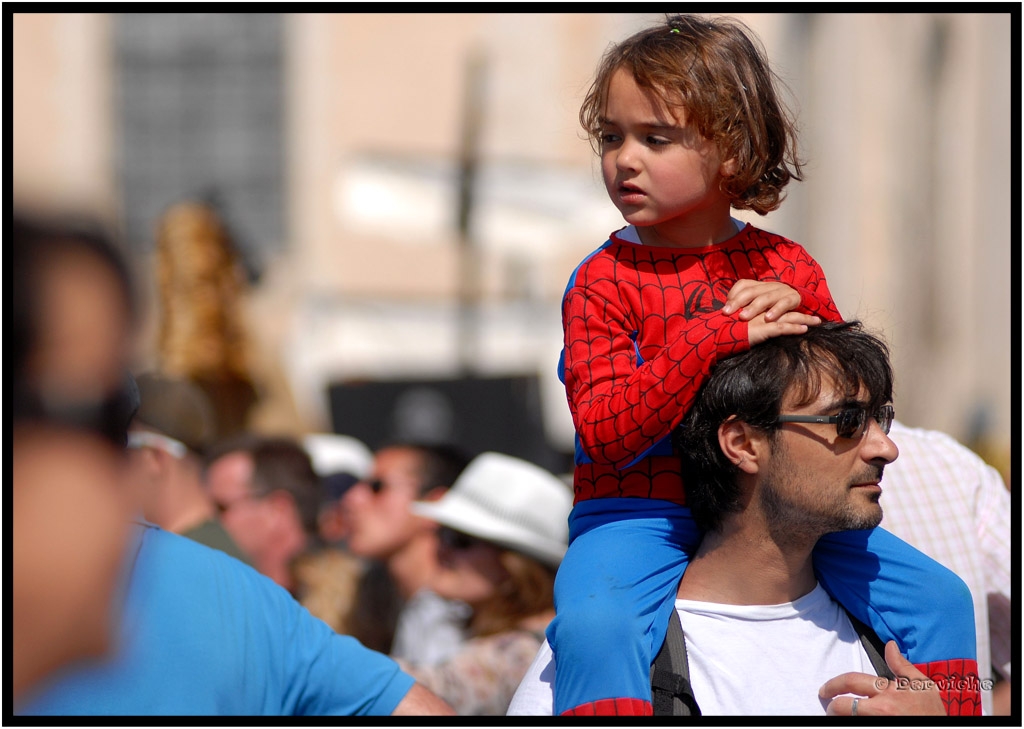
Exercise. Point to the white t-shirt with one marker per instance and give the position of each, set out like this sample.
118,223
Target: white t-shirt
745,660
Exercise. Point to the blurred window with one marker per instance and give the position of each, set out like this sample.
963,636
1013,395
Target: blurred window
200,111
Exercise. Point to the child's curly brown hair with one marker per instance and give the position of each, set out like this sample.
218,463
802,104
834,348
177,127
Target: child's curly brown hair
718,72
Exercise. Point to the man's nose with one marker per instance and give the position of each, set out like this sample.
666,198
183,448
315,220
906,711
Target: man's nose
877,445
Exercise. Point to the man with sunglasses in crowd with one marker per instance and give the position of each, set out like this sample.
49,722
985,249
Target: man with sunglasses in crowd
267,496
787,443
383,530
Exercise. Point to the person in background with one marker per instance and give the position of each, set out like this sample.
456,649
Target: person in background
340,461
266,494
504,529
72,317
170,431
945,500
382,529
328,577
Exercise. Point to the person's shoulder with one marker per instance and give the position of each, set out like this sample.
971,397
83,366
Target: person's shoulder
213,534
177,546
177,560
516,640
597,258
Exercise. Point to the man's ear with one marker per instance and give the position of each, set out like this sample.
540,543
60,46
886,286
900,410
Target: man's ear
740,444
153,462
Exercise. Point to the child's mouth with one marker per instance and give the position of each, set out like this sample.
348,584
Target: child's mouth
630,194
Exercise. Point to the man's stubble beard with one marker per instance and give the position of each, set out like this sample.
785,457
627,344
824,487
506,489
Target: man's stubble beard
790,521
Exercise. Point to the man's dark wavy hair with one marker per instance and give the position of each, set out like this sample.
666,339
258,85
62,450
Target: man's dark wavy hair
751,386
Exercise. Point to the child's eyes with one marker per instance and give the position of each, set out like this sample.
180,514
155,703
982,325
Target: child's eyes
607,138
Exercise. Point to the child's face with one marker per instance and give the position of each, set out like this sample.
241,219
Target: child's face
660,173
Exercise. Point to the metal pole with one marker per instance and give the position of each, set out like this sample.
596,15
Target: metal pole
469,152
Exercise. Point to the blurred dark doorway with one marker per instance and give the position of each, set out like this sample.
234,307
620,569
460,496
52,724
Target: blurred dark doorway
477,414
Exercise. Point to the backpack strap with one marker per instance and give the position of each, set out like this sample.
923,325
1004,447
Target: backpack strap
671,692
873,646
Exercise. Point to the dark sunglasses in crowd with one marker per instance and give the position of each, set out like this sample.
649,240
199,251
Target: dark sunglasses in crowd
107,417
455,540
850,422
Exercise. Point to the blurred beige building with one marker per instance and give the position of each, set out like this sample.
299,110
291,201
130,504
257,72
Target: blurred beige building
906,123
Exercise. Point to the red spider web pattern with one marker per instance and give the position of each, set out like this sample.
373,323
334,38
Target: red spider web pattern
663,303
612,707
958,683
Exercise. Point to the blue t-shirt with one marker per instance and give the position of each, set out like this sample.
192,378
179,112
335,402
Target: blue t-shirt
204,634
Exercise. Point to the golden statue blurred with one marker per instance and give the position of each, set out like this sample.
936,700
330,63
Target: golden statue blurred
201,336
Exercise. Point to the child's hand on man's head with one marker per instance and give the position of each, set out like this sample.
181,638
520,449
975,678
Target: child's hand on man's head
772,298
792,322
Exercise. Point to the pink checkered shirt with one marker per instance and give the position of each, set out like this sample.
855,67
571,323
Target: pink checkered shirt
945,500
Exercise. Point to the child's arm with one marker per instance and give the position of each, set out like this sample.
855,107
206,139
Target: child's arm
765,302
750,298
773,299
792,265
800,286
622,407
619,409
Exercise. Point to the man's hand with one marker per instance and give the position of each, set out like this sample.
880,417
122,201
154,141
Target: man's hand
771,298
911,693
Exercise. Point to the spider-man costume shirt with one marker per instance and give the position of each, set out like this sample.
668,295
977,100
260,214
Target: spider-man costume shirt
643,327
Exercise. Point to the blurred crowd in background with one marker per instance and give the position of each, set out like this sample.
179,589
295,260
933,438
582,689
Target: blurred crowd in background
443,558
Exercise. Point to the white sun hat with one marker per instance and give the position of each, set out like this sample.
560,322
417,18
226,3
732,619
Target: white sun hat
335,453
509,502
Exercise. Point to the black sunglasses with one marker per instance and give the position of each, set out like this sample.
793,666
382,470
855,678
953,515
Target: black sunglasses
107,417
850,422
456,541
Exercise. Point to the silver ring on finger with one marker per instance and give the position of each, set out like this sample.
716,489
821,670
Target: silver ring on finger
853,707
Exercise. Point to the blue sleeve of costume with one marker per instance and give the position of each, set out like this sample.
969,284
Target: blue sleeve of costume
204,634
900,592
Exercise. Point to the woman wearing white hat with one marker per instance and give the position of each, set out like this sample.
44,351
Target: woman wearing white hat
503,533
